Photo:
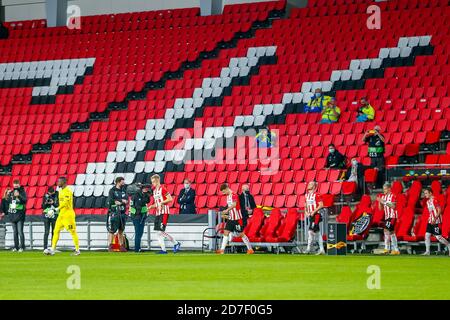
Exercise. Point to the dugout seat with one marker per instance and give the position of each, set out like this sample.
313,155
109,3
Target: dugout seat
271,225
346,216
405,224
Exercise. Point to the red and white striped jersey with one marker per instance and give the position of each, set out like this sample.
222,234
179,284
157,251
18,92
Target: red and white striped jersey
312,201
160,195
433,206
389,213
235,213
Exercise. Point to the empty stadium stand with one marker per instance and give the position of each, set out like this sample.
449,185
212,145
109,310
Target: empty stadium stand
172,92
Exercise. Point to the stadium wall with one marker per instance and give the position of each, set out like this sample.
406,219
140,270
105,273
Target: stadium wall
18,10
188,229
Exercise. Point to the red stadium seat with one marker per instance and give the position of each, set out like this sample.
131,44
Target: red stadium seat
346,216
289,228
370,175
257,221
348,188
405,224
268,233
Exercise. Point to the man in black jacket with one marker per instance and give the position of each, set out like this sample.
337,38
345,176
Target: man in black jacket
376,151
117,201
4,32
247,202
335,159
49,205
138,213
16,202
186,199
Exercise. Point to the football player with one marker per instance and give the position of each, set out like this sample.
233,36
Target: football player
312,210
160,202
234,224
434,220
387,202
66,217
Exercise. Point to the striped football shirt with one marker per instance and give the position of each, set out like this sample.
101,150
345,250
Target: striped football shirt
235,213
160,195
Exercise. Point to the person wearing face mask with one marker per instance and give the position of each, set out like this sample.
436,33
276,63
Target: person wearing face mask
335,159
376,150
247,202
117,217
331,113
366,112
138,212
15,206
355,174
318,102
265,138
49,205
186,199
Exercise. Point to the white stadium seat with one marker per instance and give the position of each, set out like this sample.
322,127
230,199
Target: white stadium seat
287,98
297,97
80,179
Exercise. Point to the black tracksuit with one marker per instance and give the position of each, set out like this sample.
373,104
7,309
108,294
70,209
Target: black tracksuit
138,212
4,32
117,215
15,210
50,201
336,160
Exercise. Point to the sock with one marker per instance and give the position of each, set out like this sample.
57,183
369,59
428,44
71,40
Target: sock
247,242
394,242
310,240
224,242
55,240
161,241
387,238
442,240
427,241
320,239
170,238
76,242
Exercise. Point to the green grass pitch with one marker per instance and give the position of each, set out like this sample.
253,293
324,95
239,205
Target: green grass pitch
31,275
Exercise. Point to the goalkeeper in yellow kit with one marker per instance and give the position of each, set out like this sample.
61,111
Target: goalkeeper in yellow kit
66,217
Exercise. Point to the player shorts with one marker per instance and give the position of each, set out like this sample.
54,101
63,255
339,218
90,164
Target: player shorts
434,229
314,222
161,222
117,222
389,224
66,221
236,226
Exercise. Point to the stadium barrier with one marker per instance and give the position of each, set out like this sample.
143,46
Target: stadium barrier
419,171
2,235
295,246
93,235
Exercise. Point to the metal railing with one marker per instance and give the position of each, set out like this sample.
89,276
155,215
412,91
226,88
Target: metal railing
93,236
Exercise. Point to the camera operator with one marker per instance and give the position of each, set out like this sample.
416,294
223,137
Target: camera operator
15,204
116,220
49,204
138,212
